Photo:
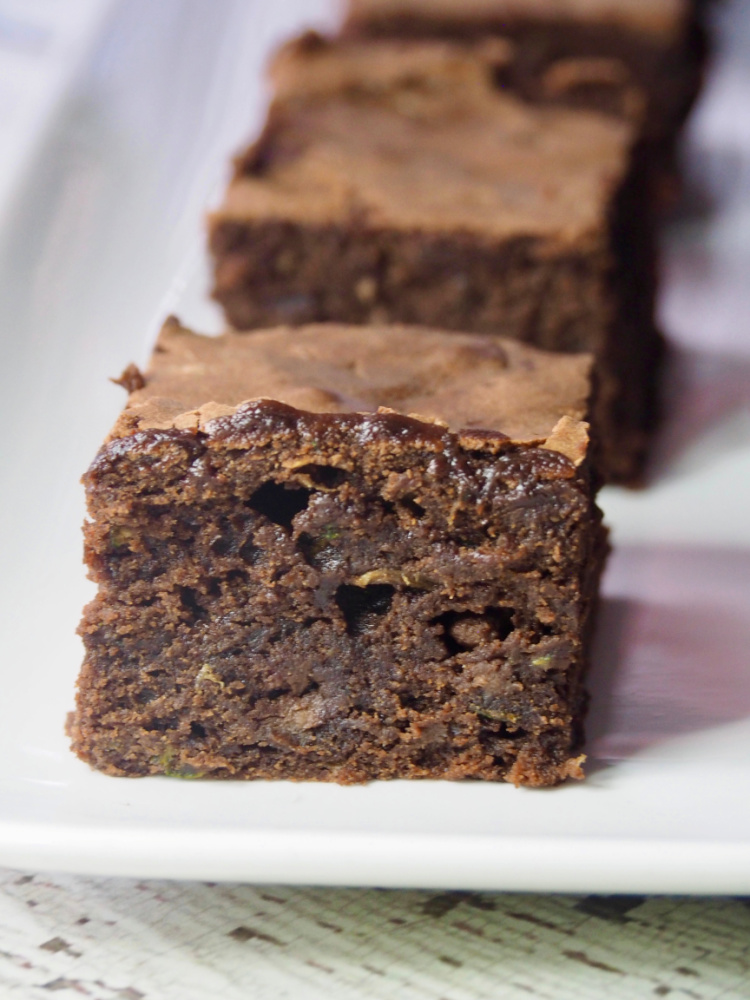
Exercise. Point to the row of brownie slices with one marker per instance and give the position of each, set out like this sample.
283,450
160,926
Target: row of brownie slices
359,539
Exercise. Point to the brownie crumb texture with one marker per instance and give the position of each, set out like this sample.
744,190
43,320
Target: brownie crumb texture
336,596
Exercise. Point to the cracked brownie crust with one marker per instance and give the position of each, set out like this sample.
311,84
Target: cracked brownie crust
290,592
595,53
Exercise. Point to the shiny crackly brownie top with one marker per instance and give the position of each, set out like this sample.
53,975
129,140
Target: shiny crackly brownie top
468,383
653,17
418,136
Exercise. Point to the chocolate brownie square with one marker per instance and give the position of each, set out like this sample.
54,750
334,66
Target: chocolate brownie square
334,557
395,182
588,52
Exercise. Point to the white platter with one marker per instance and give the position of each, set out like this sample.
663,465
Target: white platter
109,217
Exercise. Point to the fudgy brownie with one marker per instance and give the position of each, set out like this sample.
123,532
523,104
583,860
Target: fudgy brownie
585,52
323,556
395,182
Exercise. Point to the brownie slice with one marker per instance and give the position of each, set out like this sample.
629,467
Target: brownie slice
588,52
323,556
396,182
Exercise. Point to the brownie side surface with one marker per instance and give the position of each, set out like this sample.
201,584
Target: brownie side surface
335,596
405,186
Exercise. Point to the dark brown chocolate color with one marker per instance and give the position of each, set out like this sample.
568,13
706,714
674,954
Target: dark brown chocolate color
336,595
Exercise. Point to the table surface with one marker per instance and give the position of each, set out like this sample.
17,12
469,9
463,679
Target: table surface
115,939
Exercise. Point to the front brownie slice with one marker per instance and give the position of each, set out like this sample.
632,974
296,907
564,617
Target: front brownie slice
589,52
396,183
322,556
